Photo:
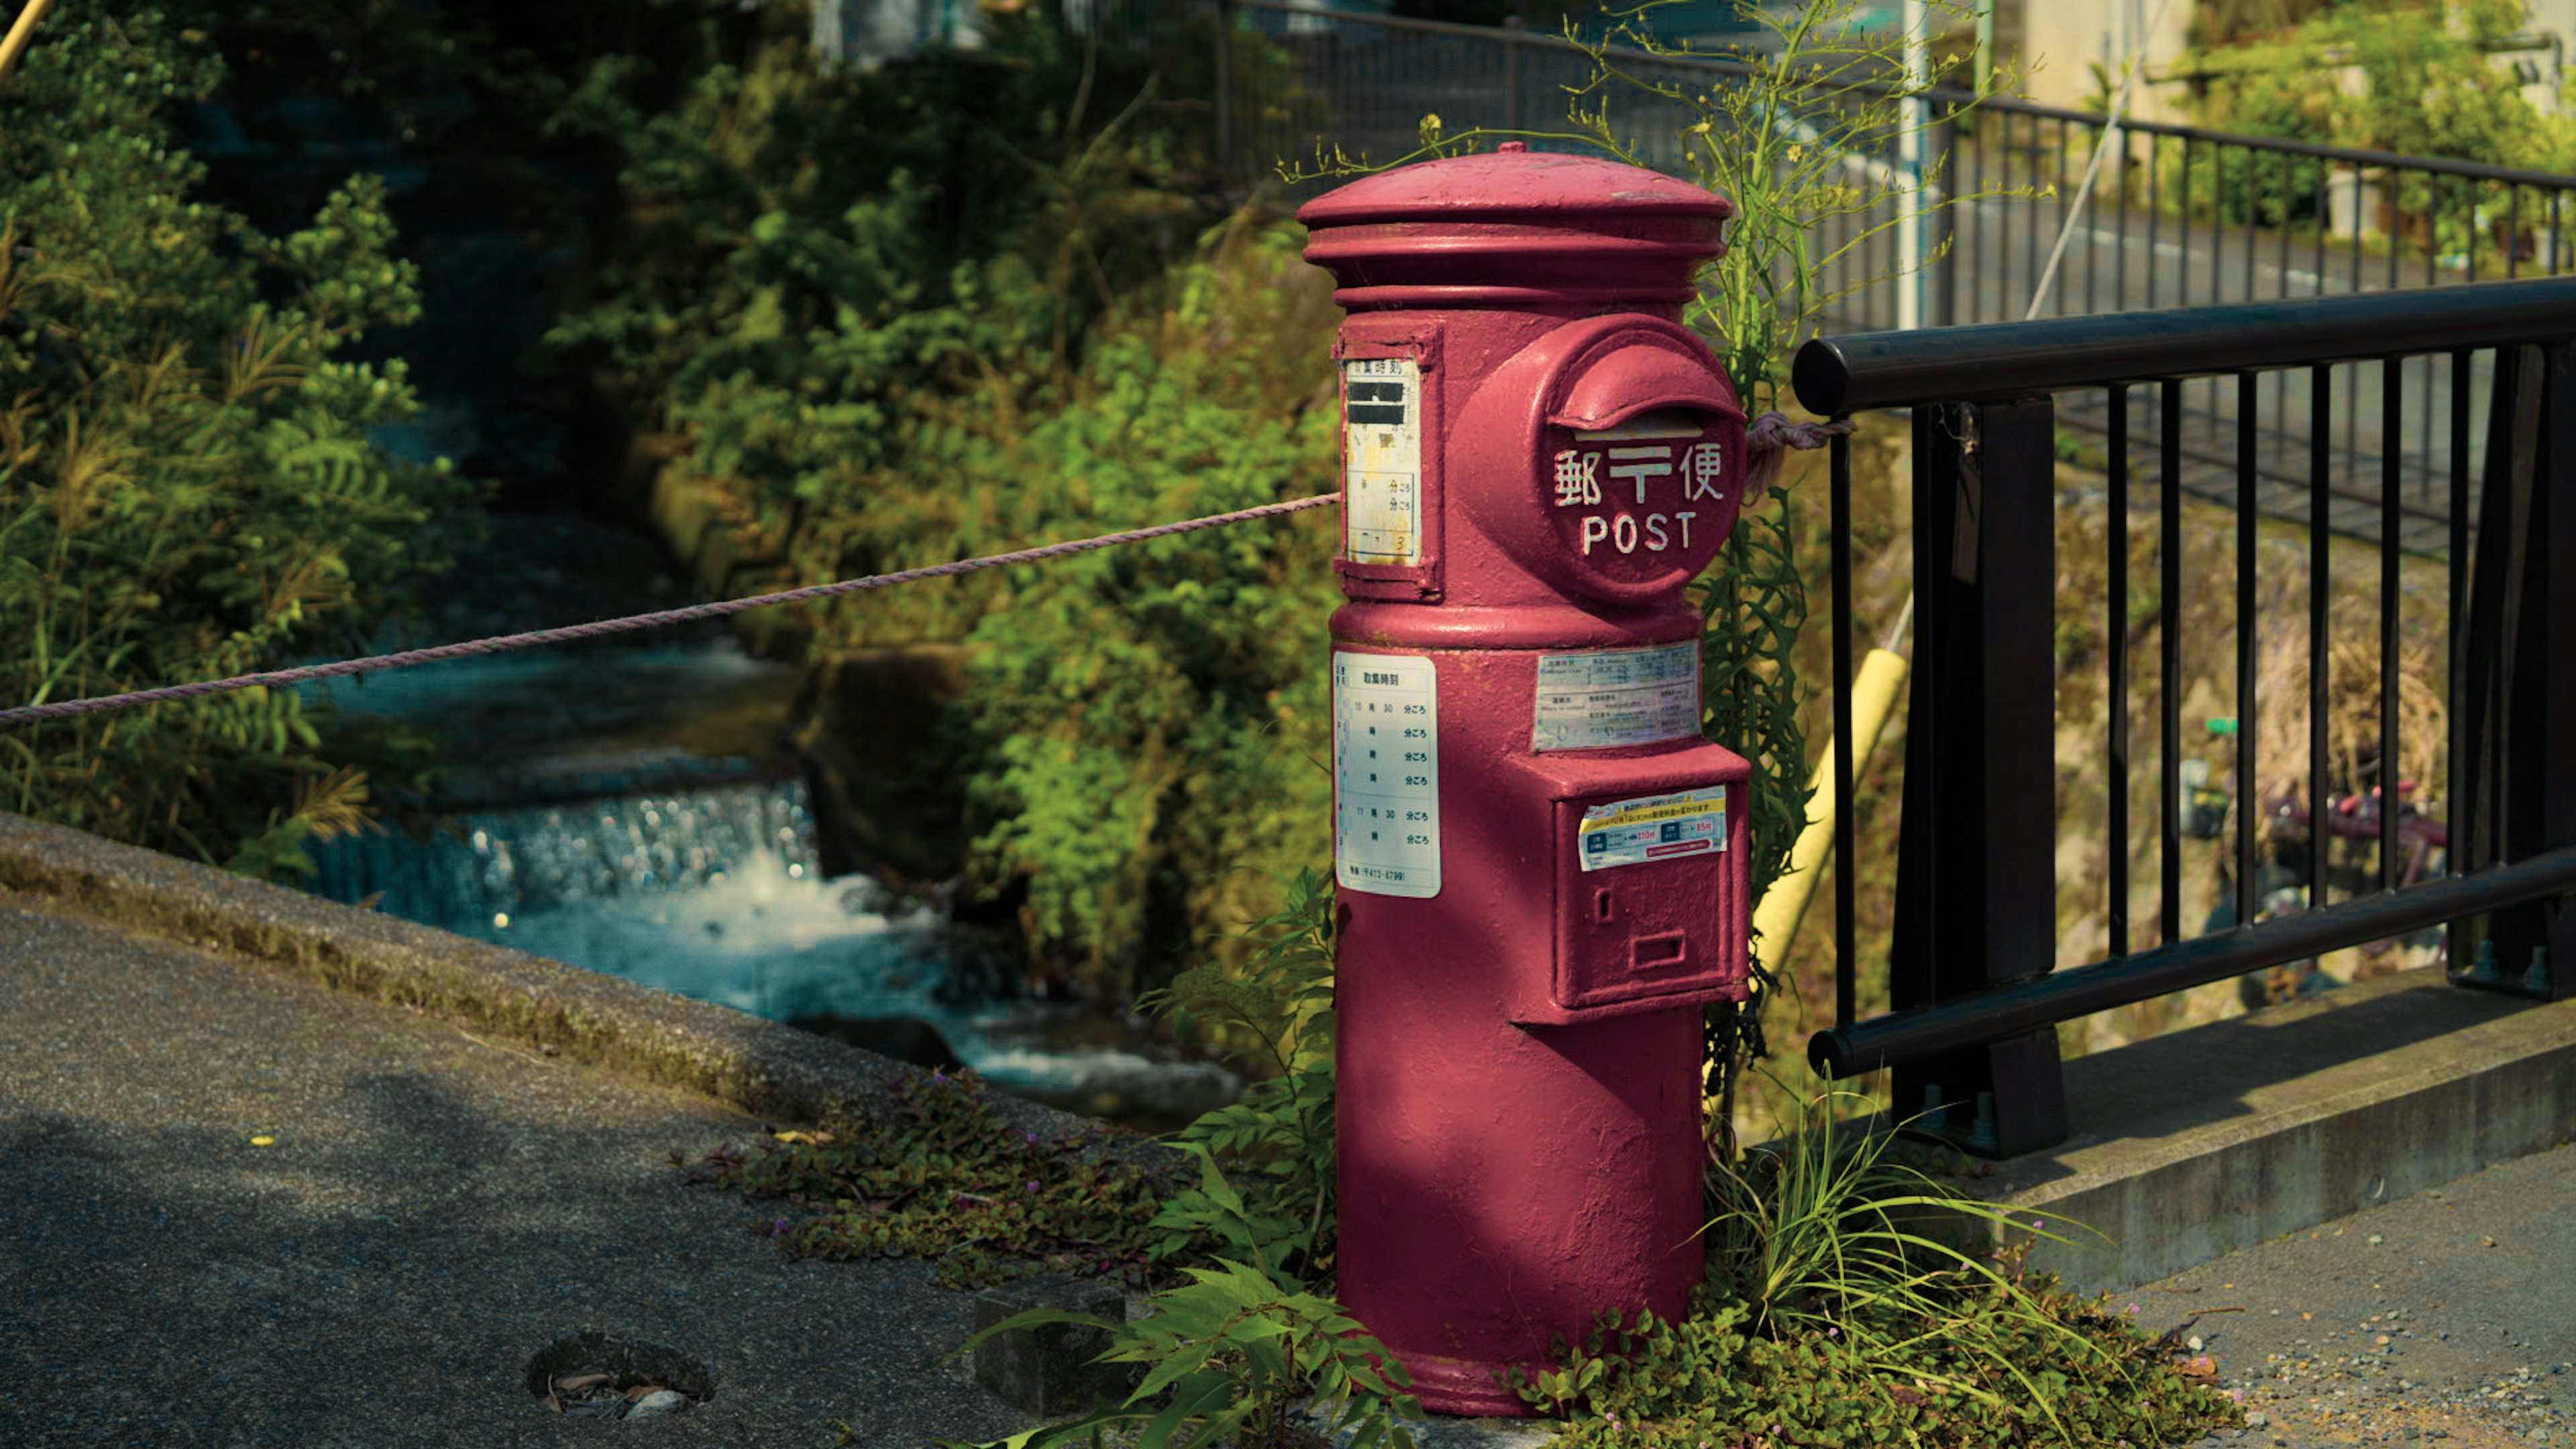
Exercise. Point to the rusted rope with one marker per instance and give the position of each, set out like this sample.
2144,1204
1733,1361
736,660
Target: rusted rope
32,712
1767,443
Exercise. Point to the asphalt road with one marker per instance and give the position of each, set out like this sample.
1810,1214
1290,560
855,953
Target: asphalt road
238,1208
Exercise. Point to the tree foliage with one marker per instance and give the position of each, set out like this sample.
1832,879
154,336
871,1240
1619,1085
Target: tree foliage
2413,77
187,488
991,326
797,227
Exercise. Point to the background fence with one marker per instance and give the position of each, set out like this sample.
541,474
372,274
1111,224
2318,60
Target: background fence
2179,217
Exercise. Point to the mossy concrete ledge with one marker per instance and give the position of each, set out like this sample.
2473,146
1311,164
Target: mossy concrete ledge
760,1067
2196,1144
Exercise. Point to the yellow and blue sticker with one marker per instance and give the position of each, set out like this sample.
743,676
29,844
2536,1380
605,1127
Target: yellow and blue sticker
1656,827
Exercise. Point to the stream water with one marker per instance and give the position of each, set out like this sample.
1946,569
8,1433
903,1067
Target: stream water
583,833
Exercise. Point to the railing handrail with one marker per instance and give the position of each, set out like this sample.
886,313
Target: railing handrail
2002,1011
1948,96
1999,361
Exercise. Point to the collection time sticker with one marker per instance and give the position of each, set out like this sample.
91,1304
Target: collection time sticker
1386,774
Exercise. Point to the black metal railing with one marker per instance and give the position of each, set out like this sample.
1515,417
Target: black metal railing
1975,1000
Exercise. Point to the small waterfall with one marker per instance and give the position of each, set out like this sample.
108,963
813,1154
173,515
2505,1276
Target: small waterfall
571,835
715,894
517,861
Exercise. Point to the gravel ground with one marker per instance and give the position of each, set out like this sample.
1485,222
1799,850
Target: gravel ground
2448,1317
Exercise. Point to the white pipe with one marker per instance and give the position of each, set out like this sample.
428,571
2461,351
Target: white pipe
1909,159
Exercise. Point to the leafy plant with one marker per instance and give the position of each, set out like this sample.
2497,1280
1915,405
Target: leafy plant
780,295
1831,1315
187,486
1283,1127
2423,85
1236,1346
1233,1351
1813,1231
1151,718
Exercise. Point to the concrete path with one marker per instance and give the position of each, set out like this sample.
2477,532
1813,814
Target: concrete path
2448,1317
431,1208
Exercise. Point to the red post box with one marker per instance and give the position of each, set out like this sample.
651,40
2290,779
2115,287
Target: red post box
1540,859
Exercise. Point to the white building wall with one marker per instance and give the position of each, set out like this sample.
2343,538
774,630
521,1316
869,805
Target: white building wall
2062,39
869,33
2555,19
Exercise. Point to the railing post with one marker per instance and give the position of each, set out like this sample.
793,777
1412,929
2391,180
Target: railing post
2517,793
1975,883
1512,72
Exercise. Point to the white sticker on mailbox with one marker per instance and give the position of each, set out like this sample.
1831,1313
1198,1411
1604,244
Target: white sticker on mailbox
1606,697
1656,827
1386,774
1382,460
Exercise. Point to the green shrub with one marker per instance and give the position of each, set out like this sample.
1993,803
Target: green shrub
1157,713
2424,87
187,489
1233,1350
984,329
1277,1014
804,245
1832,1316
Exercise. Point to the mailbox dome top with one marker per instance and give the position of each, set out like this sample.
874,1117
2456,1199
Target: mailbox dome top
1516,184
1515,227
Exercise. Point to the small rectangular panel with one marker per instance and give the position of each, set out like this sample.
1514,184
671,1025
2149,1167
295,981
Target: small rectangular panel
1637,931
1657,827
1666,926
1382,460
1386,774
1602,698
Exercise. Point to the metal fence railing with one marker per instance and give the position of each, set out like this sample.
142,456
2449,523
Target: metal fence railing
1975,1000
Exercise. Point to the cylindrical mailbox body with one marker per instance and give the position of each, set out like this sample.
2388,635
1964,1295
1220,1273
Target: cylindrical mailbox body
1540,859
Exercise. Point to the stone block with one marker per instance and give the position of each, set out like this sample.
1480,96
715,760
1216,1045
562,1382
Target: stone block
1047,1370
882,762
684,511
